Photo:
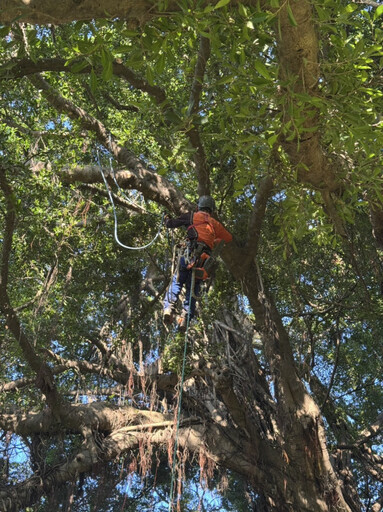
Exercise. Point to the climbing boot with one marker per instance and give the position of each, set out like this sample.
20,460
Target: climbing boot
168,315
182,322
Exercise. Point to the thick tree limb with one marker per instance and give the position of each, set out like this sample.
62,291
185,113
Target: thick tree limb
120,373
99,416
43,12
91,174
154,186
193,133
298,50
26,67
116,199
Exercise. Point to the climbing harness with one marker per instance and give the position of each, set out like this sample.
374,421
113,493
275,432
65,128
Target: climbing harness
171,499
115,215
195,254
200,254
204,260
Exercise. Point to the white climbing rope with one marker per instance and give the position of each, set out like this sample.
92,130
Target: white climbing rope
115,216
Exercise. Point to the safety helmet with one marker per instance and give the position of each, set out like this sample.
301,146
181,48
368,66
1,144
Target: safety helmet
206,202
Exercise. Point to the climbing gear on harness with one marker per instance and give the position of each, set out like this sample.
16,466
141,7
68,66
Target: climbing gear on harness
198,266
206,202
204,260
198,254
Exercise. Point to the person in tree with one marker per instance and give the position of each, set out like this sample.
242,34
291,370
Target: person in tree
204,233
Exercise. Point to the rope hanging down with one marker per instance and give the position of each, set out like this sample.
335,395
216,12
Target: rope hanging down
171,499
115,216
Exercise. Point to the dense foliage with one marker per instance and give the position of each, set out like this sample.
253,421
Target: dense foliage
278,115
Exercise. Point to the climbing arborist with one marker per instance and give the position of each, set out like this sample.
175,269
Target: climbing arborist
204,233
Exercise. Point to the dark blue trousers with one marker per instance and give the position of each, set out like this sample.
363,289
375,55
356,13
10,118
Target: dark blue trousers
184,277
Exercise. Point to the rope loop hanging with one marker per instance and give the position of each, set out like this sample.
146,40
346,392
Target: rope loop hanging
115,214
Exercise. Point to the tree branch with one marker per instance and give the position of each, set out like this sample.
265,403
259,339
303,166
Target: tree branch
27,67
367,2
120,374
118,106
193,132
116,199
151,184
10,223
254,229
41,12
372,431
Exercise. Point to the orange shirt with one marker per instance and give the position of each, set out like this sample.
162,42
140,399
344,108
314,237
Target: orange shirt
202,227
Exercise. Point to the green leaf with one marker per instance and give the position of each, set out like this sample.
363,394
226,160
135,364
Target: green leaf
242,10
107,64
322,14
122,49
221,3
78,66
130,33
242,57
85,46
93,81
291,16
378,12
150,75
259,17
160,64
271,140
262,70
